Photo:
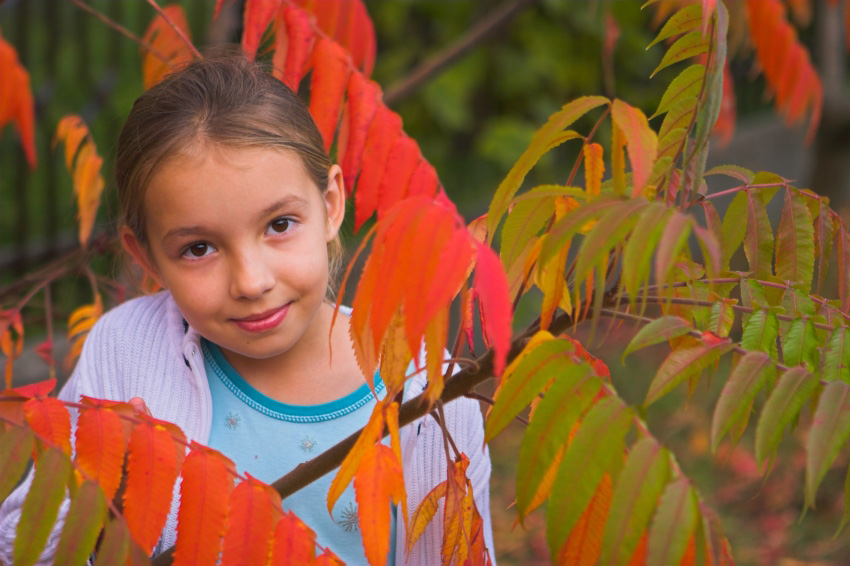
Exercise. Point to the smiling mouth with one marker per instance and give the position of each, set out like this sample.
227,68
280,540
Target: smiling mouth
263,321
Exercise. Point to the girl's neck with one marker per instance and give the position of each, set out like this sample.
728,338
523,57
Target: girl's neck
315,370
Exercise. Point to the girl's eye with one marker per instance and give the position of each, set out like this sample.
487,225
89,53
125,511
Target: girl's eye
279,226
198,250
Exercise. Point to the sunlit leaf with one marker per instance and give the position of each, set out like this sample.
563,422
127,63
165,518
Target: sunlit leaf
687,83
687,19
688,45
327,87
378,484
254,511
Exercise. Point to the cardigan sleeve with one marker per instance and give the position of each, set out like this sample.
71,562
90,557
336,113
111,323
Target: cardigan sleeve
427,468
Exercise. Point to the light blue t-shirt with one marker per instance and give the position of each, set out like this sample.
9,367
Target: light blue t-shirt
267,439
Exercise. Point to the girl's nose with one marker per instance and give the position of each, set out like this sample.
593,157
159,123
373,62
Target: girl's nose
250,277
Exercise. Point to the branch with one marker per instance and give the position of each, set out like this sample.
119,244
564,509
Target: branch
176,29
438,63
121,29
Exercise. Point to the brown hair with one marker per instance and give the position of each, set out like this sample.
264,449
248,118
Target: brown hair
225,100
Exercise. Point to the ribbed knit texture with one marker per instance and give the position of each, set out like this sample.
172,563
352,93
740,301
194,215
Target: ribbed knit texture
142,349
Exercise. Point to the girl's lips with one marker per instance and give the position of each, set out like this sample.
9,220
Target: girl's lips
262,321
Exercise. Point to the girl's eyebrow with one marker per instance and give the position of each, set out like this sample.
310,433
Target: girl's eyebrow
287,202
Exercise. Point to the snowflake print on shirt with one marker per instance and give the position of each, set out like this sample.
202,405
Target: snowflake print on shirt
231,421
307,444
349,519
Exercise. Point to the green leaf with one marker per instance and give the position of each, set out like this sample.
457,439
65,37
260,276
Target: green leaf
41,505
735,171
547,137
82,525
609,231
597,445
846,516
525,220
527,376
747,378
687,19
824,234
792,391
672,143
567,399
639,247
710,109
635,497
659,330
688,83
15,450
117,545
722,317
758,240
800,345
673,525
760,332
836,364
689,45
673,240
569,225
830,431
688,360
795,246
678,116
734,226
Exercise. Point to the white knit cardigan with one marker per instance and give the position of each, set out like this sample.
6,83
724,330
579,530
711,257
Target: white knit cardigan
143,348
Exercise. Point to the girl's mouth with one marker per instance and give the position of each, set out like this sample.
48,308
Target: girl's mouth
263,321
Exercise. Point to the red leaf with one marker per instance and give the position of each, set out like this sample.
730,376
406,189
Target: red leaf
100,446
785,61
204,495
258,15
293,44
16,102
348,23
494,303
330,75
379,482
294,542
151,472
383,131
50,420
424,181
724,128
38,389
250,527
363,99
402,161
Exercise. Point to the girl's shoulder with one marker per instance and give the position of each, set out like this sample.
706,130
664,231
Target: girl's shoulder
142,319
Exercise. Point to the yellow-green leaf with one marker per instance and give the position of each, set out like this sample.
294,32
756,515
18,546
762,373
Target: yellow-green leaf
687,19
689,359
674,523
747,378
687,84
661,329
686,46
83,524
792,391
829,433
795,246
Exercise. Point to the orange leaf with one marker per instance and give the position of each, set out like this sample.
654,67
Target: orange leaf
491,284
257,17
38,389
436,335
84,169
584,545
204,495
370,436
327,558
151,472
395,357
79,323
453,511
294,542
11,340
641,142
424,513
330,75
293,43
100,446
401,163
16,102
254,509
424,181
362,104
347,22
166,43
379,482
383,131
71,130
594,168
50,420
639,556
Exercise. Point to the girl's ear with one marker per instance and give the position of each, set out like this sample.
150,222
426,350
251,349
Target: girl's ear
334,198
140,255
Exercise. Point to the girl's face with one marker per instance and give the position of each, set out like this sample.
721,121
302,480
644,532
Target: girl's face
239,237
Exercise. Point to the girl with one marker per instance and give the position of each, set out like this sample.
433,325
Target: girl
231,205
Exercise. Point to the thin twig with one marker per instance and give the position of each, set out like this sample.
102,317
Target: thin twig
121,29
442,60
